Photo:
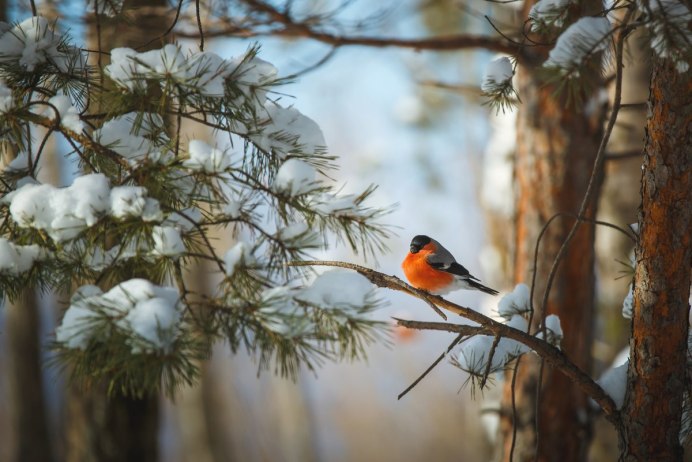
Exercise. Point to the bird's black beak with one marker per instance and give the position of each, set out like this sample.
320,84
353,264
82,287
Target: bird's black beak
414,248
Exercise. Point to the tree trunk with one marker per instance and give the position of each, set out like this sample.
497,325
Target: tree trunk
117,428
30,426
556,149
658,348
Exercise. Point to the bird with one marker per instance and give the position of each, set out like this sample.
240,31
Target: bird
431,267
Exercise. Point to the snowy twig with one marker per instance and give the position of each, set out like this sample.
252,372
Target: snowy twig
488,326
84,140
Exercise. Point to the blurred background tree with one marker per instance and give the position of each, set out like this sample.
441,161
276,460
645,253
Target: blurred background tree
550,164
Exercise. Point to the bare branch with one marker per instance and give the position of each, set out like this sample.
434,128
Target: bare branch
286,26
432,366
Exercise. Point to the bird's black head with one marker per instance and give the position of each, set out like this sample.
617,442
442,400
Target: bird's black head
419,242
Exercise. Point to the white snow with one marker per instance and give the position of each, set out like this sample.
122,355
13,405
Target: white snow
516,302
69,115
127,201
339,205
233,208
472,354
17,259
280,314
338,289
185,222
65,212
62,212
553,334
77,324
155,320
614,383
585,37
31,42
131,69
295,177
286,131
206,158
239,254
548,12
6,100
628,304
552,324
164,62
75,330
152,210
299,235
498,73
208,72
249,74
130,139
671,34
205,72
148,314
167,241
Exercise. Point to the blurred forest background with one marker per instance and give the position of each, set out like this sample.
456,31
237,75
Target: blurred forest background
412,122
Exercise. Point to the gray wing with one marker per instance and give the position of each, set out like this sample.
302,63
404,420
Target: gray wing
443,260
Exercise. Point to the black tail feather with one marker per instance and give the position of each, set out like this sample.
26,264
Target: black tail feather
481,287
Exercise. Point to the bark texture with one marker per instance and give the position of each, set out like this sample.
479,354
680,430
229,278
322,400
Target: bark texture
556,150
658,347
30,426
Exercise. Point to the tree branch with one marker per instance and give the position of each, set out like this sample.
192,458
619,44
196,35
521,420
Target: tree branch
488,326
289,28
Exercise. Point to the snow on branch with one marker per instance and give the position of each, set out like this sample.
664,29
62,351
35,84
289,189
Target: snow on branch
497,84
148,198
670,32
548,13
581,40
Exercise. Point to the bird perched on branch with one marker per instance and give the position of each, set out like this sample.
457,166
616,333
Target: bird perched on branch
431,267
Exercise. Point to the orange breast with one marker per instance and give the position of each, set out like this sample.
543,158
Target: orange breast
423,276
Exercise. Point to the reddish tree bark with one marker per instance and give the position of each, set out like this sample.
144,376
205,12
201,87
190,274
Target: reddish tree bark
557,145
658,347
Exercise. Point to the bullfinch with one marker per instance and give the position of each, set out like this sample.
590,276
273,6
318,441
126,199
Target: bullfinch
431,267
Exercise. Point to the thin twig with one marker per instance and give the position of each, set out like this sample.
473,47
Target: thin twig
168,31
199,26
432,366
513,445
491,354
